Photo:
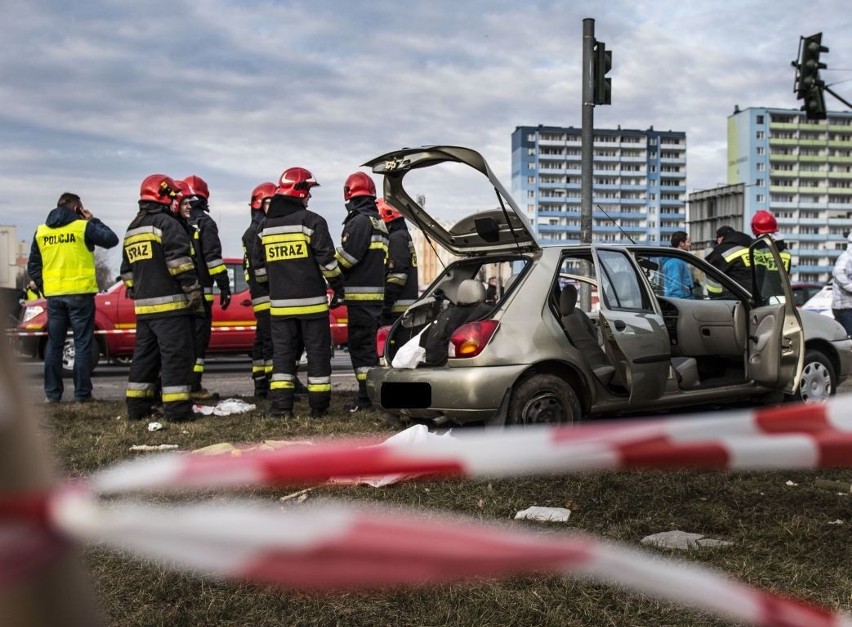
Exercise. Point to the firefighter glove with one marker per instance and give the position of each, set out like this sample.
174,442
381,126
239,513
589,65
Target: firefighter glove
225,297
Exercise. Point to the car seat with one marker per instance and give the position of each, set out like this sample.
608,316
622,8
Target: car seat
468,306
581,333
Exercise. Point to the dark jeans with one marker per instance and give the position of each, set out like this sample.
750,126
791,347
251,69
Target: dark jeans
77,312
844,317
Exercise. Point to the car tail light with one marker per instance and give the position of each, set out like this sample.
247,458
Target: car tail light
381,339
469,339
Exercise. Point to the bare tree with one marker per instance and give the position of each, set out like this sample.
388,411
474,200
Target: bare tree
104,275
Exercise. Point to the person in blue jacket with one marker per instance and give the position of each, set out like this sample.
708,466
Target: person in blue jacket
678,278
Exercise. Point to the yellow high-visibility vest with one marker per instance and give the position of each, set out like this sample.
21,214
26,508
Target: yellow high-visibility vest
68,266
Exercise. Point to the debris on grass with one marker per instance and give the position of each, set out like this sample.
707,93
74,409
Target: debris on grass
300,496
155,426
225,408
544,514
157,447
683,540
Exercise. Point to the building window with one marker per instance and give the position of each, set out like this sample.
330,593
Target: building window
761,198
758,182
761,150
760,135
531,180
759,119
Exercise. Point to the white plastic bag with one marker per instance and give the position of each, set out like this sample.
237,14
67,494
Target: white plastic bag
410,354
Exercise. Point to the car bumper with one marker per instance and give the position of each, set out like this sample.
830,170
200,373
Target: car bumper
454,394
844,352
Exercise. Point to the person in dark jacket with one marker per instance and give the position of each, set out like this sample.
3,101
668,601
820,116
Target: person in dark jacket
210,266
401,280
295,257
731,256
62,267
160,275
361,255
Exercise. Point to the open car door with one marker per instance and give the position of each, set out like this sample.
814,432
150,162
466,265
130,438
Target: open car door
776,341
634,335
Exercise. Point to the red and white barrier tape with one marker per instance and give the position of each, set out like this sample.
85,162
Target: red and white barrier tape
341,546
122,331
794,437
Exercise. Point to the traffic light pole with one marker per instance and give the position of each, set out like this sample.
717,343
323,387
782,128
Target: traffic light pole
587,133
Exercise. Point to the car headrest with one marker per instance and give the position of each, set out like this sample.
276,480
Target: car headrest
470,292
567,300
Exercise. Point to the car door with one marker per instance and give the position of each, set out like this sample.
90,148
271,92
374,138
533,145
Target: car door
775,350
634,335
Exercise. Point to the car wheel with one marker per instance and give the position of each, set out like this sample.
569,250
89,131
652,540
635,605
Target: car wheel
543,398
819,382
68,354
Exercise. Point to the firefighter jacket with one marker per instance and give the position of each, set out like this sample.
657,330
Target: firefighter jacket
295,258
401,280
208,251
62,256
362,253
157,264
259,291
731,257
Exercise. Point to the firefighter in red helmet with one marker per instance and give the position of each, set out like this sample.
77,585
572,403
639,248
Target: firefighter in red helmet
157,266
211,267
261,354
401,280
361,255
764,223
295,257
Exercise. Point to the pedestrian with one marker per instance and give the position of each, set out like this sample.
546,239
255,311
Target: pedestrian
841,291
208,254
401,280
160,276
261,352
491,290
61,266
731,256
361,255
763,222
677,278
296,259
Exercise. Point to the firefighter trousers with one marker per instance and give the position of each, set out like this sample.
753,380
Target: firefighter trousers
261,353
289,335
163,349
363,324
201,328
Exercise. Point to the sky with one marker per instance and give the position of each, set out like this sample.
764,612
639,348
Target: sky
97,95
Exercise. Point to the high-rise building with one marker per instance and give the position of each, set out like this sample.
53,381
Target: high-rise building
801,171
638,189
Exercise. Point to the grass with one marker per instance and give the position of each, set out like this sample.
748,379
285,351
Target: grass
782,539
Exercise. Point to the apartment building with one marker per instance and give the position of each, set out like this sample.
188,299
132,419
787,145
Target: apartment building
638,189
801,170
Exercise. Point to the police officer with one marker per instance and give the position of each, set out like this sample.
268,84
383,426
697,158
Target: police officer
401,280
731,256
160,274
261,352
361,255
208,253
62,267
296,258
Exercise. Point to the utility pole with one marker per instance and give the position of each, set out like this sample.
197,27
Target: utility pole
587,132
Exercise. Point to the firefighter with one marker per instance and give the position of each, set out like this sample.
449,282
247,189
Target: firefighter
160,275
763,222
296,259
208,254
261,352
361,255
731,256
401,280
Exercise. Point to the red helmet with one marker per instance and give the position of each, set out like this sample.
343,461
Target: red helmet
261,193
158,188
197,187
358,184
386,211
296,182
763,222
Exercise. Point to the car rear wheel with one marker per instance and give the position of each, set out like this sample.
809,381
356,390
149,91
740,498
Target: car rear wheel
68,355
819,382
543,399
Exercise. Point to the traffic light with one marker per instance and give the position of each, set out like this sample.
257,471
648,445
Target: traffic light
601,64
809,87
